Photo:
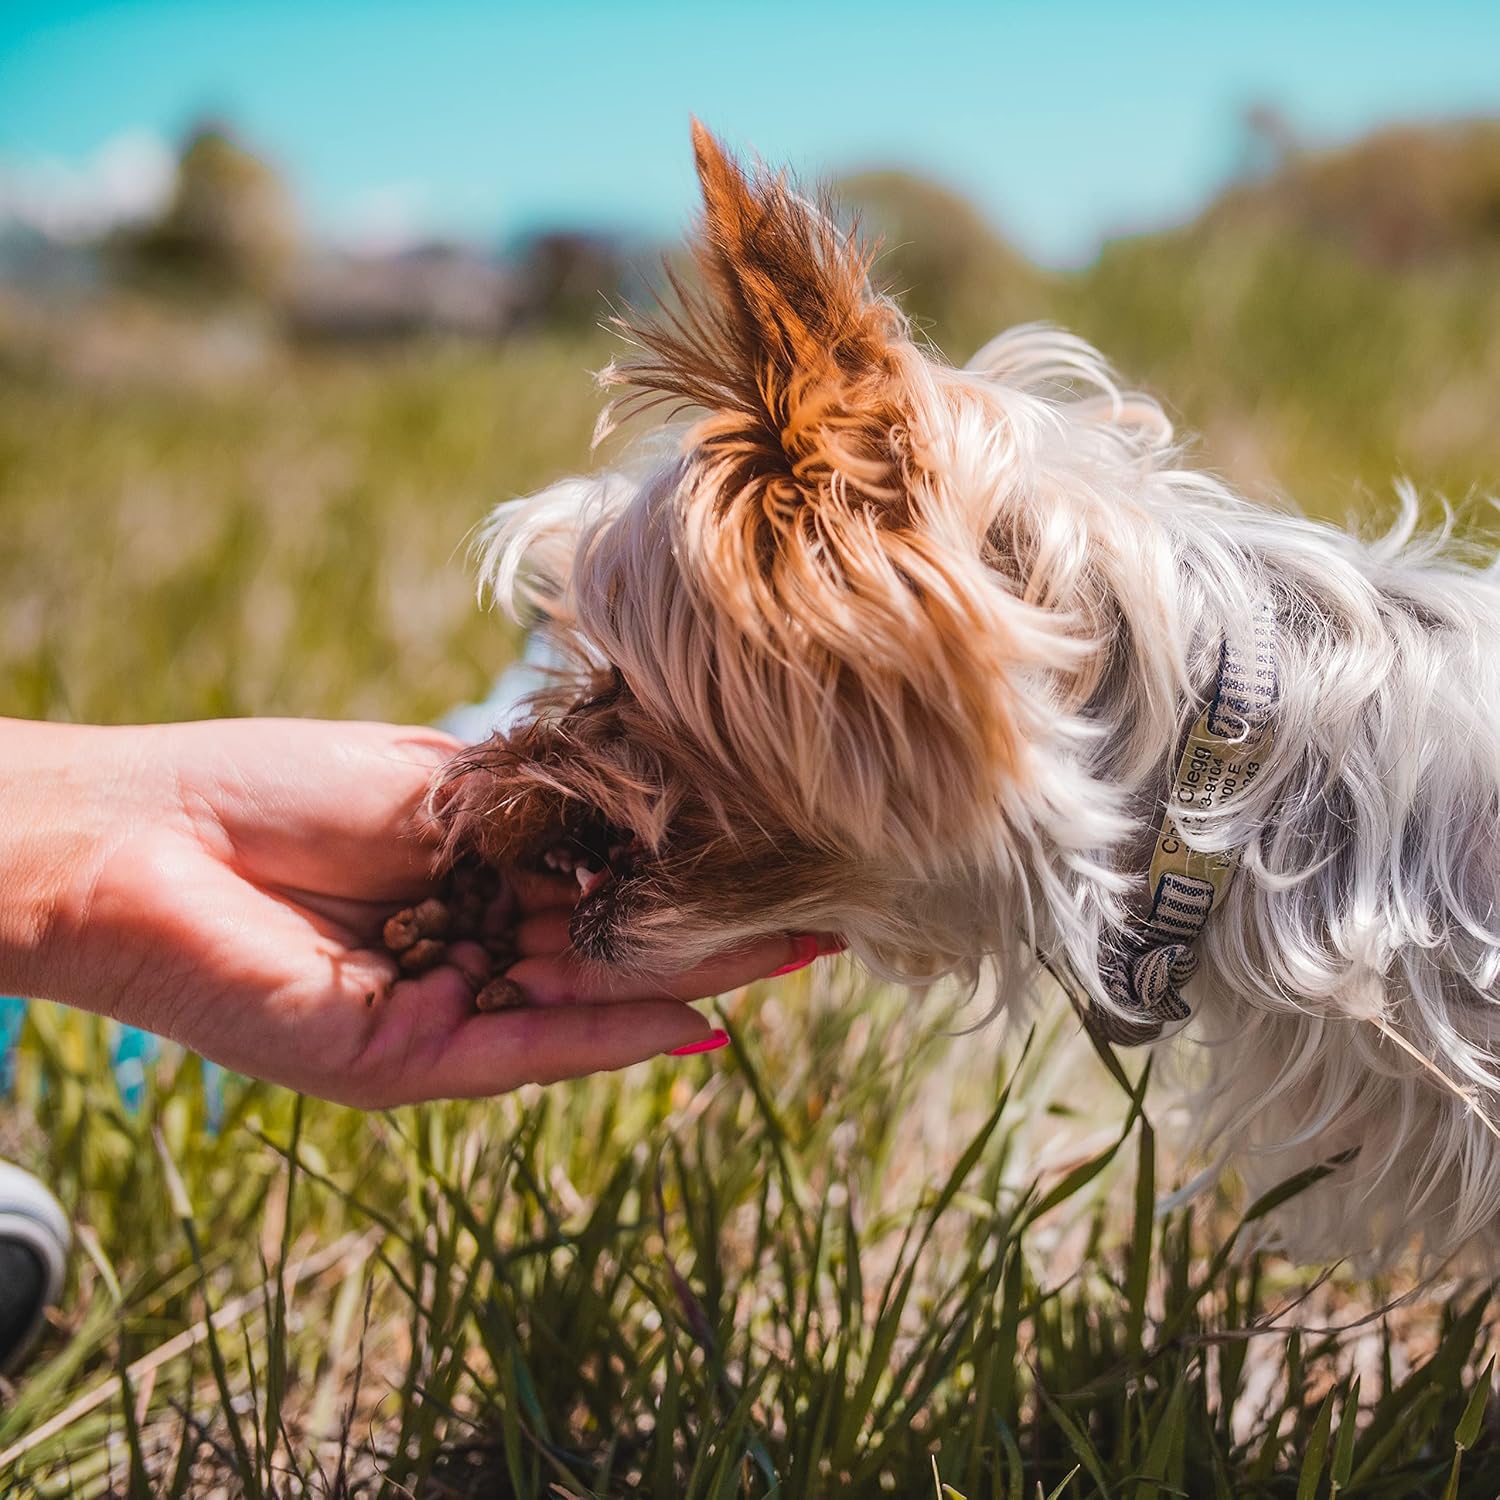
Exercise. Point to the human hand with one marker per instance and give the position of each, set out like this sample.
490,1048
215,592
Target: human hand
224,884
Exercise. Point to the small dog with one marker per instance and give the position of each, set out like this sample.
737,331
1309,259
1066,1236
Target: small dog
968,667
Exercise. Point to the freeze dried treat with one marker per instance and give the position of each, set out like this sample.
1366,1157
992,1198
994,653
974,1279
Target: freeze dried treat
400,931
500,994
475,906
428,920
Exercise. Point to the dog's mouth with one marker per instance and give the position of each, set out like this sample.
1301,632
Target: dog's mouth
594,851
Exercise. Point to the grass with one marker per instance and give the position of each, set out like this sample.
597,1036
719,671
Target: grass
861,1247
857,1254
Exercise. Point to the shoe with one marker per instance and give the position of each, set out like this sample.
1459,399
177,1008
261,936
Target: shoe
34,1243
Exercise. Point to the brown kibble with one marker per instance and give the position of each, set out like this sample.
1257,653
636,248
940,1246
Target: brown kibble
424,954
431,918
400,931
427,919
476,905
500,994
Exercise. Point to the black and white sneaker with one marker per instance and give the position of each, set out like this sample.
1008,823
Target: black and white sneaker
34,1241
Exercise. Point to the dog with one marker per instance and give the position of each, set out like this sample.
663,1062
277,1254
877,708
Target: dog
971,668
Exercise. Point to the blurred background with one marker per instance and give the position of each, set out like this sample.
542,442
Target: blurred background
290,294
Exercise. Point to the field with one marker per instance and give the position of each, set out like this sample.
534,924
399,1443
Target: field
861,1254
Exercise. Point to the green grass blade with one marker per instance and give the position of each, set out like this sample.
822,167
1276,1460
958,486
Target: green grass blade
1316,1451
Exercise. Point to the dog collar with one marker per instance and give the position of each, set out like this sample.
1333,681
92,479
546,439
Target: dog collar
1145,968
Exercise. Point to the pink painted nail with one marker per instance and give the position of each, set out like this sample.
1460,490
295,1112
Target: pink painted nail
710,1043
807,947
804,950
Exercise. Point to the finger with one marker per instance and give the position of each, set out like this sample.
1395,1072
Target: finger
491,1054
471,960
536,891
543,935
434,1003
409,1026
562,979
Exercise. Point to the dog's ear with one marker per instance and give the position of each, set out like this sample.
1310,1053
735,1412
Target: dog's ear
783,344
820,534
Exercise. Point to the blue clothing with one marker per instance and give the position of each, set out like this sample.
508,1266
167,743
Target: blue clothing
12,1017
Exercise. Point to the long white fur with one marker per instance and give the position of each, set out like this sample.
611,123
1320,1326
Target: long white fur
1363,932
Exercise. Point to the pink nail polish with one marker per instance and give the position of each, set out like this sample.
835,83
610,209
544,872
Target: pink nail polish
710,1043
804,950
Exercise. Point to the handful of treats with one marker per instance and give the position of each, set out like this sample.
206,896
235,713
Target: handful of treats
476,906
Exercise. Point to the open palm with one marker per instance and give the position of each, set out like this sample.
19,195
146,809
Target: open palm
235,905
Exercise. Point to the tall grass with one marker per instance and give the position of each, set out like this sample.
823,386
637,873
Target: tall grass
860,1247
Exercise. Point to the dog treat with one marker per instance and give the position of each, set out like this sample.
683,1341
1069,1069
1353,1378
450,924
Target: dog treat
475,906
400,931
500,994
407,927
431,918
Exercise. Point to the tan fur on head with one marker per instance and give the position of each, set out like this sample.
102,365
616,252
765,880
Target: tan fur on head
871,645
829,628
807,593
810,510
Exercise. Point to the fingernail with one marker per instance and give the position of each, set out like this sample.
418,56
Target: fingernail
804,950
710,1043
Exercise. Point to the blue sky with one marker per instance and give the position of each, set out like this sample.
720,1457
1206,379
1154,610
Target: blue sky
1064,122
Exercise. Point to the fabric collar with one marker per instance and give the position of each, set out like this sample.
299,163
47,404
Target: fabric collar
1145,968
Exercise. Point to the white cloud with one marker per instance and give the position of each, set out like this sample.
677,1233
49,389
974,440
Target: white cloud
383,220
128,179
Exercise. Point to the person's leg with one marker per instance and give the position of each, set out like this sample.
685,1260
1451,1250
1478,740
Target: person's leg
12,1017
34,1242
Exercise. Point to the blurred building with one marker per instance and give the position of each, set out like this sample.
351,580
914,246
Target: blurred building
435,289
568,279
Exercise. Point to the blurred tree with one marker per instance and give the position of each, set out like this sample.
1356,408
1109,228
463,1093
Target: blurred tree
567,280
229,227
950,269
1405,196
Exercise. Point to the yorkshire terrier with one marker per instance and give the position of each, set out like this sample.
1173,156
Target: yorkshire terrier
969,667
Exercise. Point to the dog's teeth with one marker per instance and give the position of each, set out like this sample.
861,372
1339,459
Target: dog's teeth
588,880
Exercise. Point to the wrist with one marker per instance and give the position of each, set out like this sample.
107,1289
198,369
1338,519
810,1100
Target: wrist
69,794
